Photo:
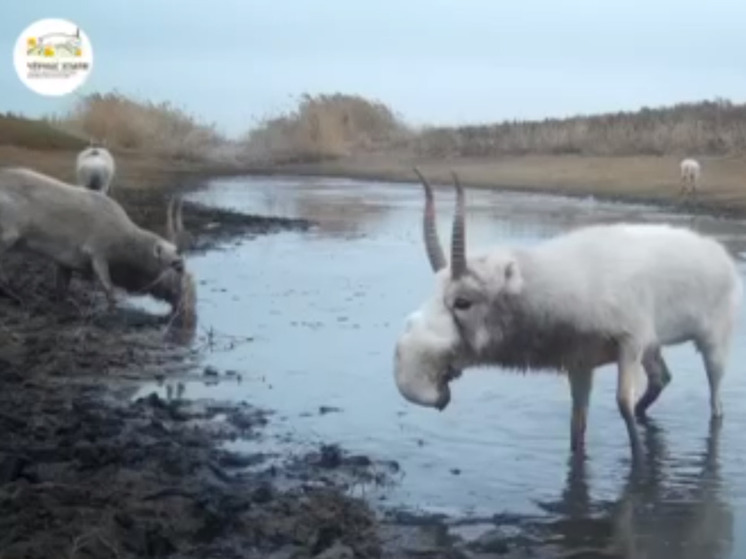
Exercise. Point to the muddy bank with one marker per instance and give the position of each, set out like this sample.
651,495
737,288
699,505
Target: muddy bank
86,475
86,472
209,226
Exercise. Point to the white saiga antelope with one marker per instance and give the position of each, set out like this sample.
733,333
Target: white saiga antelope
690,172
597,295
86,231
95,168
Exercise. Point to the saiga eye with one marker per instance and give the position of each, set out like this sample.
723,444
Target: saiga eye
461,304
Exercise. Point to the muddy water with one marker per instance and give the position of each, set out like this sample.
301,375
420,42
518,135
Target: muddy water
324,308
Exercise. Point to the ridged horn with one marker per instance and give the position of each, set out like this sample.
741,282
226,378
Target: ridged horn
170,228
458,236
429,230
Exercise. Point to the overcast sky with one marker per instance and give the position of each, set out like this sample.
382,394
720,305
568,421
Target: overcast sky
433,61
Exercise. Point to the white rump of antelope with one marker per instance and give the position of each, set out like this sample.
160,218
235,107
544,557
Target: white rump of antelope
689,174
598,295
86,231
95,168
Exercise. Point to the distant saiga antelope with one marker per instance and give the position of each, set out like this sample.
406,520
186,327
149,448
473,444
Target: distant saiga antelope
95,168
690,172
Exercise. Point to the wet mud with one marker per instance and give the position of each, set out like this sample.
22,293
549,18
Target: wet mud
88,472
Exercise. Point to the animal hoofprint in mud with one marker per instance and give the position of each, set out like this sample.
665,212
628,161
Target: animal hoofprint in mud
95,168
86,231
597,295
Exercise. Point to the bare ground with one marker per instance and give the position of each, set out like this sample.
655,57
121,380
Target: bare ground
87,472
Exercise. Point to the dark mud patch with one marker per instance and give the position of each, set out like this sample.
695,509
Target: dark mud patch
85,472
209,226
86,475
332,466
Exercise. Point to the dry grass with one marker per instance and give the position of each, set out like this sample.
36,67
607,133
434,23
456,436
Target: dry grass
152,143
706,128
156,128
626,155
326,127
35,134
336,126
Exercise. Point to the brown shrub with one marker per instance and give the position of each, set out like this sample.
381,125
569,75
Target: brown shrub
125,123
707,128
326,127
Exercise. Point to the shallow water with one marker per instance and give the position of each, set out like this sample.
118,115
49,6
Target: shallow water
325,307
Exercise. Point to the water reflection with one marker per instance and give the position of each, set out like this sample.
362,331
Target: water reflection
321,336
344,214
337,209
663,512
